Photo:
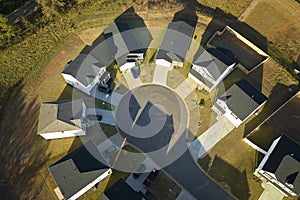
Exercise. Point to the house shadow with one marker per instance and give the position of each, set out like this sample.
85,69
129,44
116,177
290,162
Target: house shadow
230,178
279,95
23,151
187,14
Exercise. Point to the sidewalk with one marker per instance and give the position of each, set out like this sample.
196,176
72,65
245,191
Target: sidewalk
186,87
205,142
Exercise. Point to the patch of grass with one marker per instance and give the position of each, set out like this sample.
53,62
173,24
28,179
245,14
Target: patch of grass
163,188
270,15
131,149
147,72
108,130
174,78
233,161
235,7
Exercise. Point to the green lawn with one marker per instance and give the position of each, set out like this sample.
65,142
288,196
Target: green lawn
163,188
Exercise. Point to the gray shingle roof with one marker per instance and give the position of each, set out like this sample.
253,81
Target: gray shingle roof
123,39
243,98
284,162
176,40
77,169
84,68
60,116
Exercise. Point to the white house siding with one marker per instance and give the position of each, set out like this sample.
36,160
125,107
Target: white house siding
90,185
62,134
163,62
76,84
223,75
126,66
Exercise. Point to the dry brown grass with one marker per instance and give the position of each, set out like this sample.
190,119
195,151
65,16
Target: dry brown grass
235,7
279,22
233,161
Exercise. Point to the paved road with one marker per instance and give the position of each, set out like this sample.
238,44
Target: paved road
170,154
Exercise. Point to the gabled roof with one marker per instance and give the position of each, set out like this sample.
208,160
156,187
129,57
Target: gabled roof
121,190
77,169
123,39
60,116
284,162
243,98
176,40
211,62
84,68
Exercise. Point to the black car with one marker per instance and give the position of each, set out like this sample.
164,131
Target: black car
104,89
139,171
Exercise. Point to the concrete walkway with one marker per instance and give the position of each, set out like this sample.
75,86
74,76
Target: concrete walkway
271,193
132,81
186,87
205,142
107,115
160,75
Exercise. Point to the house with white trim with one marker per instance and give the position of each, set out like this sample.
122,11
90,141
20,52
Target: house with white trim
127,44
85,73
62,119
210,67
239,102
175,45
79,171
280,166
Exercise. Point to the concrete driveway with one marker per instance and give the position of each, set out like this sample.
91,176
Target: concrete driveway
107,115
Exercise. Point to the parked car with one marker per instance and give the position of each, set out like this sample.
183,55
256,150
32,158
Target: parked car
150,178
110,150
139,171
104,89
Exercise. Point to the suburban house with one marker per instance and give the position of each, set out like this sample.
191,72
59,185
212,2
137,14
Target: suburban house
175,45
281,166
210,67
121,190
62,119
239,102
249,55
79,171
85,73
127,44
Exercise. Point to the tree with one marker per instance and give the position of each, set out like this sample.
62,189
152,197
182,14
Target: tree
7,32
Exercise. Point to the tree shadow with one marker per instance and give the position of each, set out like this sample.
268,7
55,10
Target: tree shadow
226,174
20,162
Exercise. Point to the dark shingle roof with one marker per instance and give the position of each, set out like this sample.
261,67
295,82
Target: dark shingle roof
121,190
176,40
84,68
77,169
284,162
243,98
